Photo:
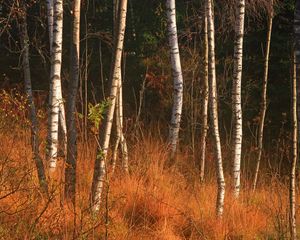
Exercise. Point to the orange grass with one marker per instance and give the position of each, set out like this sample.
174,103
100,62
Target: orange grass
153,202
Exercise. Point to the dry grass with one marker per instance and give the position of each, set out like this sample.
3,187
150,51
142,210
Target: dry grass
154,202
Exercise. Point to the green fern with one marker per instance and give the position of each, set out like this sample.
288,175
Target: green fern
97,111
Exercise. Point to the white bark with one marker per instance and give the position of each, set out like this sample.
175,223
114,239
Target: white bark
35,141
123,141
55,98
293,226
70,171
236,95
296,119
120,138
177,76
117,143
214,109
62,119
118,127
204,109
105,130
263,107
62,128
50,22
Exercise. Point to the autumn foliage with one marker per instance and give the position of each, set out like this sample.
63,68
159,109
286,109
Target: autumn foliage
156,201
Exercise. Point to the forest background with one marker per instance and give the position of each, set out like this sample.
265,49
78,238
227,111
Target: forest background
147,93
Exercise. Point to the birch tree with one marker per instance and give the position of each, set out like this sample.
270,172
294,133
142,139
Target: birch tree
236,95
117,122
263,106
177,76
118,135
55,99
295,120
62,119
120,138
293,224
123,142
214,108
50,22
70,171
204,126
35,141
105,129
62,126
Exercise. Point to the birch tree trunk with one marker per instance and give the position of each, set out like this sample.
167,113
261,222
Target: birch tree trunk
105,130
50,22
120,139
123,141
263,107
62,127
55,99
177,76
118,127
70,171
214,108
296,117
118,133
32,110
62,119
293,225
204,126
236,95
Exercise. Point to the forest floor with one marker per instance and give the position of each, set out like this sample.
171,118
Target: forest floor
153,202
